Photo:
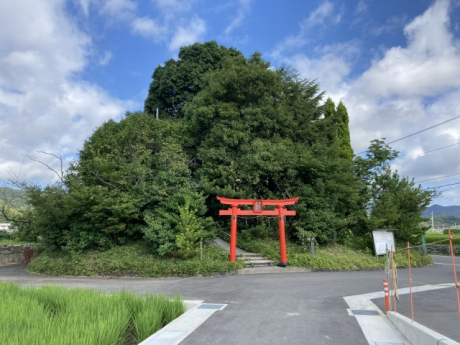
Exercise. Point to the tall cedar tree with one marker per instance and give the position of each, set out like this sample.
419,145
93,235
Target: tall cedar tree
260,133
178,81
344,132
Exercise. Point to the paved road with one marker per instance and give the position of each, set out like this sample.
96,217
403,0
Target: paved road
304,308
435,309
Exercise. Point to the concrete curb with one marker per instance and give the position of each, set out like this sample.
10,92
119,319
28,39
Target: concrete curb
272,270
176,331
416,333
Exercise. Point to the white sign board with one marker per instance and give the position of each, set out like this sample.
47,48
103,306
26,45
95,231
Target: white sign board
383,239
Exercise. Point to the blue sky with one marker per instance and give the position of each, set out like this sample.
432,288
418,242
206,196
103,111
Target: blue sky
68,66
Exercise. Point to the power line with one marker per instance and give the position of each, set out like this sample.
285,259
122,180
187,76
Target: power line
439,148
437,178
449,189
423,130
444,185
424,153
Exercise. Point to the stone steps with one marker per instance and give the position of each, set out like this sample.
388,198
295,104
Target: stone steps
254,260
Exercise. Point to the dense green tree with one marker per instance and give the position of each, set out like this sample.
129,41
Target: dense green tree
259,133
130,180
343,134
178,81
329,109
390,201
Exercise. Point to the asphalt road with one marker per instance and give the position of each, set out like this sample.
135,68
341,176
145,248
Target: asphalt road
435,309
303,308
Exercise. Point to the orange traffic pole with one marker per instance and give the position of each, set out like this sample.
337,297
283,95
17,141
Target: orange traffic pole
281,217
393,278
455,273
410,283
233,235
385,292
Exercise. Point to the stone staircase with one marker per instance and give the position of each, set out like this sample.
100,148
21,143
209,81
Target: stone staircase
254,260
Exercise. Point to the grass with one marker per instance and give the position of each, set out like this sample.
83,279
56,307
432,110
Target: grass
331,258
12,241
132,259
54,316
7,238
431,237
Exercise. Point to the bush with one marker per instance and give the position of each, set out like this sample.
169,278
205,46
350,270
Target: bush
336,257
132,259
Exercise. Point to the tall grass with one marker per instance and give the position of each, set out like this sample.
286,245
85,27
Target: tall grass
431,237
53,315
336,257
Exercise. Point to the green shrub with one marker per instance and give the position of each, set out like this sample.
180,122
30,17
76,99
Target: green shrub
336,257
190,232
132,259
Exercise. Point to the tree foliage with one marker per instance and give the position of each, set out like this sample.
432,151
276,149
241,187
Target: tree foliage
178,81
234,127
390,201
260,133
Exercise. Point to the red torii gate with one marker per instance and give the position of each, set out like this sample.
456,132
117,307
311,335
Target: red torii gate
257,210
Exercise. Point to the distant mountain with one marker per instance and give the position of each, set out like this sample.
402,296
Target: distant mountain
439,210
15,197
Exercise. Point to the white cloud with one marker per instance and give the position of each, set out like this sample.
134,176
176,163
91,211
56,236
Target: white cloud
322,15
148,27
330,68
362,7
318,16
392,23
243,10
119,9
188,35
44,105
85,6
104,60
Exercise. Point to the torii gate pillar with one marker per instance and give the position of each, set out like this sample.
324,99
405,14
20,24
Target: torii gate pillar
258,210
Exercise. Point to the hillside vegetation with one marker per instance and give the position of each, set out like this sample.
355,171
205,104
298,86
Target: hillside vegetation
229,126
439,210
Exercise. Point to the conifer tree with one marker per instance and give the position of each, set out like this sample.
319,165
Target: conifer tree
346,150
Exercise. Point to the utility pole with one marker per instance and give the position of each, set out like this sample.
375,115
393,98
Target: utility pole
432,221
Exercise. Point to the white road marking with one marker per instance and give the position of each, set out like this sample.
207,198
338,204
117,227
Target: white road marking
442,263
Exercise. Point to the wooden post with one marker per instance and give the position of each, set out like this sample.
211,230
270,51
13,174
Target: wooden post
455,271
410,283
283,262
233,234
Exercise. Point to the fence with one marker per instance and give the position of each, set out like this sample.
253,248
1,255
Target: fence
392,297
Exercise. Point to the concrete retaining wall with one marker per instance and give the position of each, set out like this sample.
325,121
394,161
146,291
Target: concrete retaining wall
416,333
445,250
13,253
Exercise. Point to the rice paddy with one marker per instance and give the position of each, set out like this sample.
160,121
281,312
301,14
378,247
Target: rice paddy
53,315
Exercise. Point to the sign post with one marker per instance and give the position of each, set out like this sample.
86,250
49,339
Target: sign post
383,239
